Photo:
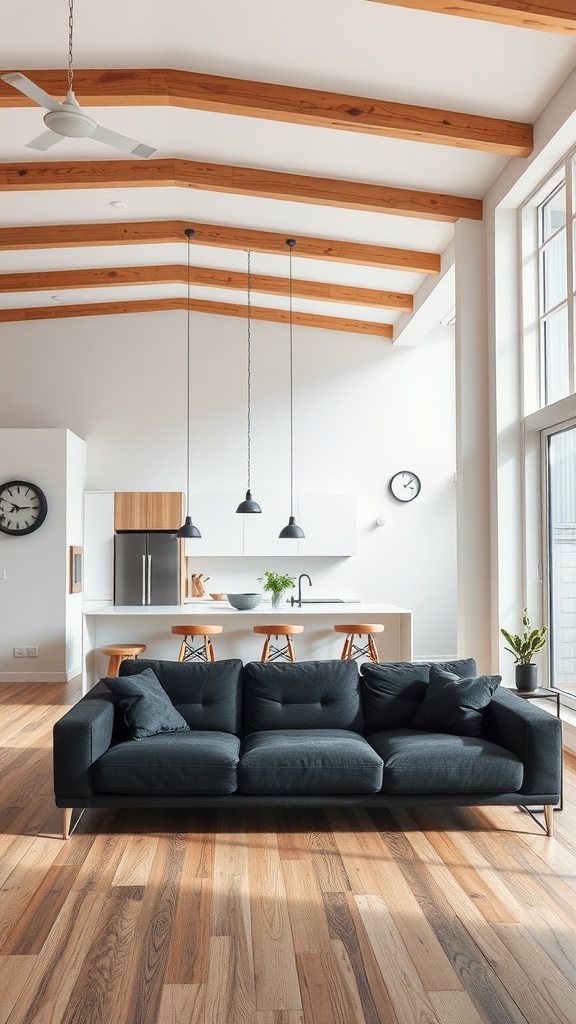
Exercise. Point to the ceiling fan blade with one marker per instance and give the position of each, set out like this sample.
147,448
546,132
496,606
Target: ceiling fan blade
30,89
121,142
45,141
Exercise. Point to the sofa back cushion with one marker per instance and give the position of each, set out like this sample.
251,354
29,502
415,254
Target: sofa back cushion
207,694
302,695
393,691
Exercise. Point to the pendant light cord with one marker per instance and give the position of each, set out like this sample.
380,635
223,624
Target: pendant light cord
70,32
190,236
291,396
249,367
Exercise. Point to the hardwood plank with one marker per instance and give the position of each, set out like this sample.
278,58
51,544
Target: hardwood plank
99,992
275,973
182,1004
408,997
63,236
279,1017
305,907
274,102
558,16
454,1008
44,998
248,181
229,995
190,942
325,995
206,277
557,993
150,943
355,954
230,917
14,974
136,861
40,912
331,323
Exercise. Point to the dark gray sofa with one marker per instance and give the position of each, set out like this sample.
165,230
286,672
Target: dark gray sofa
316,733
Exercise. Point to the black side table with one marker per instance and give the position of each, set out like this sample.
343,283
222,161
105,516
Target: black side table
547,693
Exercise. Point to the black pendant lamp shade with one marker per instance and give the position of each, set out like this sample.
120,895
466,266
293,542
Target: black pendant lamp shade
292,531
188,530
248,506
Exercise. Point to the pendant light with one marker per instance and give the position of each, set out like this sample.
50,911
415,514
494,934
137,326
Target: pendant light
188,529
249,505
292,530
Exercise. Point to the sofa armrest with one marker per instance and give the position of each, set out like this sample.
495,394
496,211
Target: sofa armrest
81,736
534,735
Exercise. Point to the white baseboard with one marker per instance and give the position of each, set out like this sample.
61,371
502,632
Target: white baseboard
35,677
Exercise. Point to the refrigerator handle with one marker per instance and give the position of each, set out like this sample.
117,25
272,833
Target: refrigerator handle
149,594
143,579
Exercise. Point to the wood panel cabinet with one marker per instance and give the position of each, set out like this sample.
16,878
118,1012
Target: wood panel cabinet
148,510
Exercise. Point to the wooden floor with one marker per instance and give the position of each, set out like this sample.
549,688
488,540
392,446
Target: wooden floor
455,917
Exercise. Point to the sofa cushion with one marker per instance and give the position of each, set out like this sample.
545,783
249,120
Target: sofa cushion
455,705
393,691
146,707
302,695
207,694
311,761
192,762
419,762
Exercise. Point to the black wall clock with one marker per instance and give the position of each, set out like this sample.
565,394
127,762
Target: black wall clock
405,485
23,508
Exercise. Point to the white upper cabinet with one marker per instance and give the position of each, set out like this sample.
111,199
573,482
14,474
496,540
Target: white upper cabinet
98,546
328,521
221,527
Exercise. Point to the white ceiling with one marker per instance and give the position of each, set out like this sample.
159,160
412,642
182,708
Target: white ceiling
348,46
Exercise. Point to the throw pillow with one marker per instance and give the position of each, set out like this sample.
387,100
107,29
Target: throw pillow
146,706
454,705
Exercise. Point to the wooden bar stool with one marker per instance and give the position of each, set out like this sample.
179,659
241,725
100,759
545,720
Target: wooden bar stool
204,651
269,652
118,653
350,651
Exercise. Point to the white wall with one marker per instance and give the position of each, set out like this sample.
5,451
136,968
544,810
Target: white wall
363,410
33,596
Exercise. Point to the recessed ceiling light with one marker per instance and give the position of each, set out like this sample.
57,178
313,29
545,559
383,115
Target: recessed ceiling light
118,205
56,298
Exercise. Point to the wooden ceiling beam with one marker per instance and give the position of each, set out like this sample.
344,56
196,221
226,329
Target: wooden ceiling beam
246,181
63,236
546,16
192,90
205,277
329,323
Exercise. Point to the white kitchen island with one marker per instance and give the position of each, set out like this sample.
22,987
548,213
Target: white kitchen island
150,625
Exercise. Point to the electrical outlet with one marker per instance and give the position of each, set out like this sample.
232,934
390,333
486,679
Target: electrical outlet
32,652
20,652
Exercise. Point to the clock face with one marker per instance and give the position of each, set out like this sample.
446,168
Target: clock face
23,508
405,486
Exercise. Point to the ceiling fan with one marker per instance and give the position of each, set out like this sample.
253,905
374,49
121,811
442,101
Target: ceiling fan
67,119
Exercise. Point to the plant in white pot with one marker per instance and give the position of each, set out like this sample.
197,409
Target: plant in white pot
278,586
523,648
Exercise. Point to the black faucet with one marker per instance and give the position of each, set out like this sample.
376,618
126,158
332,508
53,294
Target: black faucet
298,601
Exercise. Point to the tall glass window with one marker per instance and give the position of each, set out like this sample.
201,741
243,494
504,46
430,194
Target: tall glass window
554,314
561,492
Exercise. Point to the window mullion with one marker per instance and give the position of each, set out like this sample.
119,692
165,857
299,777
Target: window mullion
571,285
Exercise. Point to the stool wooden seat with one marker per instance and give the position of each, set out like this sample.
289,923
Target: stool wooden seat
117,653
350,651
269,652
203,652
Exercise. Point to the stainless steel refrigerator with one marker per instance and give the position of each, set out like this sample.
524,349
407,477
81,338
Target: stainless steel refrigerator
146,568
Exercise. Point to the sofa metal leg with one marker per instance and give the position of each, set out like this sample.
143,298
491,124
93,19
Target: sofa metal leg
67,827
549,819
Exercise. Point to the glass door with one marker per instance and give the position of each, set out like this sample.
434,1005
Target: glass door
560,454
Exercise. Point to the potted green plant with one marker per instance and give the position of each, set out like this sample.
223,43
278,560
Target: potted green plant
523,648
277,585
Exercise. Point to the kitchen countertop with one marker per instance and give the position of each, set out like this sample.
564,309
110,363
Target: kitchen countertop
207,608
